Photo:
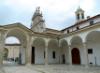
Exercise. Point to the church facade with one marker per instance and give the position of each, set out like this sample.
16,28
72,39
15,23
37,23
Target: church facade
78,44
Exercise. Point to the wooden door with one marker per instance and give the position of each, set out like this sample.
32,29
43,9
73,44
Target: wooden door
75,56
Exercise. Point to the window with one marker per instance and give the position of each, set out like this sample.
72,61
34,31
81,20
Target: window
77,27
91,22
67,31
53,54
78,16
82,16
90,51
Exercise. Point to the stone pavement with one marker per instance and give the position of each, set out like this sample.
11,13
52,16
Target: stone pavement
65,69
50,69
19,69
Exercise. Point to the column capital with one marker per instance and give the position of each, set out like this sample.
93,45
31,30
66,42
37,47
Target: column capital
46,42
46,39
69,46
85,44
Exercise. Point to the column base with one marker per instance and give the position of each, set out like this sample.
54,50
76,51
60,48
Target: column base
46,64
86,66
28,64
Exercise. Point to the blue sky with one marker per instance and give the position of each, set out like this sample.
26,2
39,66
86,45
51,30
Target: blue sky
58,14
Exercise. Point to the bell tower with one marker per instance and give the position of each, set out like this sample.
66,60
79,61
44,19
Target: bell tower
38,23
79,14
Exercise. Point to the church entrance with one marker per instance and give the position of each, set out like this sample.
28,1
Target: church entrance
75,56
33,55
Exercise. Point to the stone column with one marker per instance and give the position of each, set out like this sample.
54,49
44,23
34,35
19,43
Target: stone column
59,50
29,50
46,52
2,44
86,55
59,54
22,55
70,55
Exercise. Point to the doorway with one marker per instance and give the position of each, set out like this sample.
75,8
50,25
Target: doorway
33,55
63,59
75,56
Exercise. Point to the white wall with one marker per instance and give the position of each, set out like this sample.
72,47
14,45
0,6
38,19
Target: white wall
39,55
22,51
82,55
95,57
64,50
50,56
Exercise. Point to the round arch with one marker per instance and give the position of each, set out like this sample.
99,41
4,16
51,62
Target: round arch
53,51
93,46
53,42
22,37
63,42
38,51
77,44
64,51
19,34
76,40
92,34
38,41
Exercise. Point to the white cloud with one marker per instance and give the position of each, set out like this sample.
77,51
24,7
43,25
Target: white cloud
88,6
55,12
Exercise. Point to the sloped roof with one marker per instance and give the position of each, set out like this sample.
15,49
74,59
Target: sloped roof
83,21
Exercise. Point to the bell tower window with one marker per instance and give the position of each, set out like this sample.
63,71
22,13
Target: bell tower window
82,16
78,16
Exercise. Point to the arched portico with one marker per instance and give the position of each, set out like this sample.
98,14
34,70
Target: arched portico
77,47
12,44
21,36
38,51
64,51
53,51
93,46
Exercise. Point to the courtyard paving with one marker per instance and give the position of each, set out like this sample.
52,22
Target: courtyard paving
50,69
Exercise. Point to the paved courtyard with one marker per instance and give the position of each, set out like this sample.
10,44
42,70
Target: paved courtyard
50,69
